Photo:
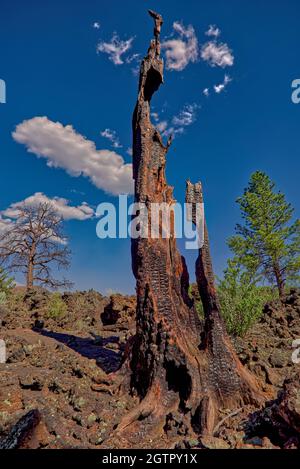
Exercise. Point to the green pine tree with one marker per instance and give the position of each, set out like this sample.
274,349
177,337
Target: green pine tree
268,242
6,284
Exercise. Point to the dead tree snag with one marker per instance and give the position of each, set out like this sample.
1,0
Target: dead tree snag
229,382
183,373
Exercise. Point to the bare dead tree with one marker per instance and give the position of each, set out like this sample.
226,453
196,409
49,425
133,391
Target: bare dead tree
33,244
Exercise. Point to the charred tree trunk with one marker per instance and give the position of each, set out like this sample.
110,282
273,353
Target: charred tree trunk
22,431
230,384
182,374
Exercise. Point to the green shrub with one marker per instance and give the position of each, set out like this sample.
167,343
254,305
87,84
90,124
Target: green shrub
3,297
194,294
242,300
57,309
199,308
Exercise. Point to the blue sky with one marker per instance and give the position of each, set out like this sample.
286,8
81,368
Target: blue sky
49,61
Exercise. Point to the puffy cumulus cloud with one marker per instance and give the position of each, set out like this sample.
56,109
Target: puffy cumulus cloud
182,50
213,31
115,49
96,25
221,87
206,91
111,135
63,147
60,205
217,54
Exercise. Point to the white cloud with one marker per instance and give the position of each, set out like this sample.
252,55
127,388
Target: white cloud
206,91
4,224
96,25
60,205
129,151
219,88
63,147
173,131
133,58
13,214
111,135
178,123
217,54
115,48
155,116
213,31
75,191
186,116
135,70
161,126
183,50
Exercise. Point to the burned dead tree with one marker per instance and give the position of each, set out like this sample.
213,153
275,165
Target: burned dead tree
183,373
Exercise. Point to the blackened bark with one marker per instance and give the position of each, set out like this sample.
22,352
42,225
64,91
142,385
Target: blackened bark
183,374
229,381
21,431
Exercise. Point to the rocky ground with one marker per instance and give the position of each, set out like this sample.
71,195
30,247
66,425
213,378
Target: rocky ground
61,362
60,365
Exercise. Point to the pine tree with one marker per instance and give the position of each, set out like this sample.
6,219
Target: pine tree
268,242
6,284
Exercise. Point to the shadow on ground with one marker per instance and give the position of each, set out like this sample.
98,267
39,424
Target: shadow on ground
108,360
